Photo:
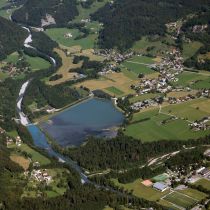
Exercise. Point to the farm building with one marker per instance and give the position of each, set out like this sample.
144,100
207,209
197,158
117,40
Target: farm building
160,186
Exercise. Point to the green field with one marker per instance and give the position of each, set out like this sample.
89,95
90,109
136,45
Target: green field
194,80
142,59
137,68
180,199
153,46
185,110
143,97
58,35
204,183
36,63
194,193
35,156
189,49
115,90
151,129
141,191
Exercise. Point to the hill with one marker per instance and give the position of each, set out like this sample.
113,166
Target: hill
46,12
125,21
11,37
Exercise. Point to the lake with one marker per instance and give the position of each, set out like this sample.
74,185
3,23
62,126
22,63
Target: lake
96,117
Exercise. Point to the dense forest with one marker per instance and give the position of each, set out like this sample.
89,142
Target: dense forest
33,12
123,152
126,21
202,35
11,37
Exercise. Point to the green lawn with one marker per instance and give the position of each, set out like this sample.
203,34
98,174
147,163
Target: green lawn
194,193
152,130
115,90
137,68
204,183
36,156
189,49
58,35
180,199
142,59
141,191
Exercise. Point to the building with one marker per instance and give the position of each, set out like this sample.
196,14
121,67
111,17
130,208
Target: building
160,186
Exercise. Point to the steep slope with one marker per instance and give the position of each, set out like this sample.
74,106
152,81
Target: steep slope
11,37
46,12
127,20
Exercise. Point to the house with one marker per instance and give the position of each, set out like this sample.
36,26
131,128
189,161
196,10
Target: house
147,183
160,186
205,172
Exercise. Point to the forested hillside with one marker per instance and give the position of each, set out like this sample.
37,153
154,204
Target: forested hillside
11,37
45,12
125,21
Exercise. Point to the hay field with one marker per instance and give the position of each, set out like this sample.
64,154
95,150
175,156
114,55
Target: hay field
23,162
117,80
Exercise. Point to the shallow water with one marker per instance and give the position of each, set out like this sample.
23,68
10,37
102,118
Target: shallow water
91,117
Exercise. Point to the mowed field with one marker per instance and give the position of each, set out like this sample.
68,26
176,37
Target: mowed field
191,110
189,49
112,83
67,64
20,160
142,191
180,200
147,125
139,64
204,183
60,35
194,80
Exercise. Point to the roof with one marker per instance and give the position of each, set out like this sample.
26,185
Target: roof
147,182
160,186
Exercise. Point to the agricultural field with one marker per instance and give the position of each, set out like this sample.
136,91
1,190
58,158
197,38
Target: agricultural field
199,107
154,46
189,49
115,91
144,97
117,80
20,160
177,94
69,37
148,126
194,80
142,191
59,178
35,156
36,63
204,183
67,64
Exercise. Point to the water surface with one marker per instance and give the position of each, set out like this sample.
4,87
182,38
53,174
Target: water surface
92,117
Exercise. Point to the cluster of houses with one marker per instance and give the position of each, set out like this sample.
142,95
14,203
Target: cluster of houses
201,173
199,28
174,100
41,175
113,55
145,104
200,124
10,141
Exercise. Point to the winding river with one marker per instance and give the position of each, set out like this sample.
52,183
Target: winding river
38,136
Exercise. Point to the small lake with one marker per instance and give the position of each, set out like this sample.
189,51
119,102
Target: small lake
96,117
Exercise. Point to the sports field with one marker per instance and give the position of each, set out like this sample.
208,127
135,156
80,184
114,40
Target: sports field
180,200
